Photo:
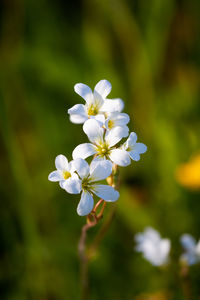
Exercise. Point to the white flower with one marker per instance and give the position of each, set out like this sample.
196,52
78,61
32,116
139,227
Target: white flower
154,248
116,119
192,250
103,144
65,172
134,149
96,102
89,175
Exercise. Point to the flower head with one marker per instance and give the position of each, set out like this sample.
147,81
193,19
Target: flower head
103,143
89,176
192,250
65,171
115,119
154,248
96,102
133,148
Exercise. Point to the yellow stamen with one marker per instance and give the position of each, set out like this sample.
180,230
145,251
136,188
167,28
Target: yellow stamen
87,184
93,109
103,149
66,174
110,124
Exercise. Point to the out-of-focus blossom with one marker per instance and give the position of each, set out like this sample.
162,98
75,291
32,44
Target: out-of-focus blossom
192,250
188,174
154,248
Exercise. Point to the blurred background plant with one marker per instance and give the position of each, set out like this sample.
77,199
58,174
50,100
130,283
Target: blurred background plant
150,52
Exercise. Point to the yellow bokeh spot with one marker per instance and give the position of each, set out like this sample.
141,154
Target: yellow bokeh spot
188,174
66,174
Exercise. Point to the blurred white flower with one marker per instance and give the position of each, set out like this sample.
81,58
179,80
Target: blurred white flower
103,143
89,175
65,172
134,149
192,250
154,248
96,102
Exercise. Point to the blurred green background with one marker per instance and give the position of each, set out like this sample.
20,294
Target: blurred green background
150,52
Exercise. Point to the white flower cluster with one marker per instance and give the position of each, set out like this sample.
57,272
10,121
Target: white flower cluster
105,125
156,250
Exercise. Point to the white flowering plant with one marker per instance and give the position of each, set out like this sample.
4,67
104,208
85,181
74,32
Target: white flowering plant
105,126
110,146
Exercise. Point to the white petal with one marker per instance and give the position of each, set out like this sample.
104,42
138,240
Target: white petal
103,87
100,170
112,105
100,118
83,151
78,114
55,176
61,162
98,100
106,192
134,155
188,242
81,167
122,119
77,119
131,140
77,109
71,168
120,157
115,135
138,148
72,186
86,204
84,91
119,119
61,183
93,130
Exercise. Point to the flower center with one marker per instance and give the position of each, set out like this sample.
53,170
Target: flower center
103,149
129,148
86,184
66,175
110,124
93,109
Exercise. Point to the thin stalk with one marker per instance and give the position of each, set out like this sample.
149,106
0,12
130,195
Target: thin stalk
92,220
